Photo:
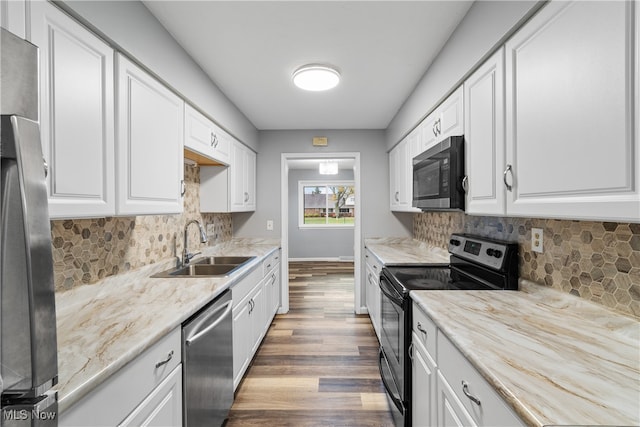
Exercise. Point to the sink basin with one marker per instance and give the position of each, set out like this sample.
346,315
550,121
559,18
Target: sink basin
204,270
207,267
235,260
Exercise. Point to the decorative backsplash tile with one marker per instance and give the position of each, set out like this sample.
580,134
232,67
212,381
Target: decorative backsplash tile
598,261
88,250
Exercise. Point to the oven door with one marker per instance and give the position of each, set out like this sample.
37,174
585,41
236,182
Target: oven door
392,353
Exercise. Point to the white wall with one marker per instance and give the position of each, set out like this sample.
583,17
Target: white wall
485,27
316,242
134,30
377,219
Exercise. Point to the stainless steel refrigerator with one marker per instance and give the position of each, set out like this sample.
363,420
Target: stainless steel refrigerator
28,349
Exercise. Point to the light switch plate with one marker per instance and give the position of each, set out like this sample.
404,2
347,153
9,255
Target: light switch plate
269,225
537,239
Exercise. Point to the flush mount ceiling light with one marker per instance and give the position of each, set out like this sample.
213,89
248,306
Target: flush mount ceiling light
329,168
316,77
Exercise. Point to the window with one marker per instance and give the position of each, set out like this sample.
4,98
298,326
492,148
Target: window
326,204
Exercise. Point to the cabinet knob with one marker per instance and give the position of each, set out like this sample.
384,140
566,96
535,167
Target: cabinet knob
183,188
214,140
165,361
421,329
246,196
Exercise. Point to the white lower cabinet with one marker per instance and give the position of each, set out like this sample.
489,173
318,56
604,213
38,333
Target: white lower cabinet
145,390
256,299
163,407
372,290
450,412
447,390
423,397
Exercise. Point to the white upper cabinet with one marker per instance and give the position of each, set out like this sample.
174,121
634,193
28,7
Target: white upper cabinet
484,137
243,178
76,114
13,17
203,137
572,146
230,188
401,176
149,143
444,121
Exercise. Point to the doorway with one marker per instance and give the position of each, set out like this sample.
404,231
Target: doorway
295,161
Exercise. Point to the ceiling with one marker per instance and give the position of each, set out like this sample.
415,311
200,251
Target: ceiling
249,49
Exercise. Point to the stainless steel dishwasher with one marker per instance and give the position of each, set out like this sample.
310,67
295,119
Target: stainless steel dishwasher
207,347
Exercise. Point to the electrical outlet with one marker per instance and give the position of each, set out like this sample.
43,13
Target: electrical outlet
537,239
269,225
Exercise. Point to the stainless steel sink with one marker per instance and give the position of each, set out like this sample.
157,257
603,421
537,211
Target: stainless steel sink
236,260
214,266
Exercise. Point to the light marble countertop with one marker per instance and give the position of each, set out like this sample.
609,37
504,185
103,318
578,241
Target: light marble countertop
104,326
398,250
555,358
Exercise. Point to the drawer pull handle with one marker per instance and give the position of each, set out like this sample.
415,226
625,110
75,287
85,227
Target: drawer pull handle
465,390
421,329
164,362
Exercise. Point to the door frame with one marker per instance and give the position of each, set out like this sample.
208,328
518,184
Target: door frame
284,224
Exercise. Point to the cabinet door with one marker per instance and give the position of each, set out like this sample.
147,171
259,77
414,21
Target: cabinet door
163,407
76,115
373,299
484,137
237,176
274,292
401,174
242,342
149,144
452,115
450,412
569,113
199,135
250,180
423,399
222,146
258,318
13,17
431,130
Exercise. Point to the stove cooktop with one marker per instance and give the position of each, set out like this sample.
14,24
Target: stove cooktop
432,278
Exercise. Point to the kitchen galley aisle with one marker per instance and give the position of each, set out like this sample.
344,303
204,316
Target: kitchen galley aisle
318,363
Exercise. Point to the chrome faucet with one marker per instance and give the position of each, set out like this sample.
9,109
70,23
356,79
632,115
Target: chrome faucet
186,255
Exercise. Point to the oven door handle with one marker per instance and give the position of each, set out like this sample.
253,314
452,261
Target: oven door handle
394,298
395,397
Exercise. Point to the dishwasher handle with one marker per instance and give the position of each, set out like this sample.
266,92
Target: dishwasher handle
196,335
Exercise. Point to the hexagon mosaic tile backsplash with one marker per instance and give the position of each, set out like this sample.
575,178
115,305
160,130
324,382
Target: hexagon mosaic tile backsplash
88,250
598,261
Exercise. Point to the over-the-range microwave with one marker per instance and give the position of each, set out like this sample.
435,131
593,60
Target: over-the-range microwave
438,176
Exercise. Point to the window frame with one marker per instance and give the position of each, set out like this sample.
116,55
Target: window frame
321,183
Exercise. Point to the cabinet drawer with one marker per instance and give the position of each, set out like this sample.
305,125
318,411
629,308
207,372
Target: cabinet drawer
492,410
270,262
240,290
373,262
425,330
128,387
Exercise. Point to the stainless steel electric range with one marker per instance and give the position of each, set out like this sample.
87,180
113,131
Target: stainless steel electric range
475,263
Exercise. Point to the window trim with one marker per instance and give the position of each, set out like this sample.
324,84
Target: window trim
320,183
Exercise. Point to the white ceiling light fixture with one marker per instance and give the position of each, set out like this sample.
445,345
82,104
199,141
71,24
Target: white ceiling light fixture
316,77
329,168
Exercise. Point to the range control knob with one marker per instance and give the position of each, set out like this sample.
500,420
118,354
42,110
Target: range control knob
490,252
454,242
497,253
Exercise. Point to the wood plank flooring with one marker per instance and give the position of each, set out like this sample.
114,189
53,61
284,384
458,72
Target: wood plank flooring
317,366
